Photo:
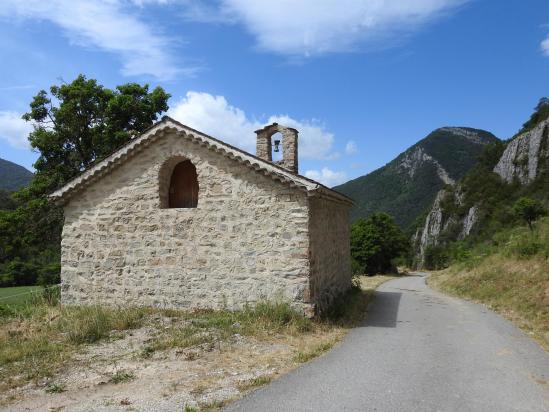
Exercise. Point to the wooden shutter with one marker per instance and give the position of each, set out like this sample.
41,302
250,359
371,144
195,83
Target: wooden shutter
183,186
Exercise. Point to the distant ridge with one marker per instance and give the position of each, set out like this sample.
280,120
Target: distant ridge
13,176
407,186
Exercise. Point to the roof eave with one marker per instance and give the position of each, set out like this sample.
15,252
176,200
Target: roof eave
167,125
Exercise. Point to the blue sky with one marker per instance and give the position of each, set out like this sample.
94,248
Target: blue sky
361,79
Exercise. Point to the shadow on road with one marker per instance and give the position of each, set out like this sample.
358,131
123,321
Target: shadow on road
384,310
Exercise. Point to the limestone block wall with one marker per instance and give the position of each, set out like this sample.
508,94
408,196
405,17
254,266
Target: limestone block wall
246,241
330,251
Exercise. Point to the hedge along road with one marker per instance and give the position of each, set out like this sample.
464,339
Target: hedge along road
418,350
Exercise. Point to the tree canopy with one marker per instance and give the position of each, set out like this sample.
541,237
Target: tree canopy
81,122
529,210
375,242
75,125
541,112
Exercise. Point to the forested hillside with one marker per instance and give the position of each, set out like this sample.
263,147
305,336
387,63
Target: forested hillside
407,186
13,176
484,202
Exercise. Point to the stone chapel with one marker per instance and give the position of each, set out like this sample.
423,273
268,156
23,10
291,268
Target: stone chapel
179,219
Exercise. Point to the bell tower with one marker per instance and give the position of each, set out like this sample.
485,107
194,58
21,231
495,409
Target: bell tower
265,146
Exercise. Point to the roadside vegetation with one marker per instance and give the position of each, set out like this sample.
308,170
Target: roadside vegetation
509,273
376,243
41,342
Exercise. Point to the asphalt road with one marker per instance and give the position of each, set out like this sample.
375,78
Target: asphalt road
418,350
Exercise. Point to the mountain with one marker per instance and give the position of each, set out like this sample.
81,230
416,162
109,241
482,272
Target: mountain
13,176
481,204
407,186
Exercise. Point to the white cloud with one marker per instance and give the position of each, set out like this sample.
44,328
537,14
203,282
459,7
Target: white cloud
14,130
215,116
351,148
312,27
315,142
107,25
327,177
205,12
545,46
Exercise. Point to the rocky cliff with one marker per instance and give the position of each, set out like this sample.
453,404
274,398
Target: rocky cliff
439,222
407,186
521,159
460,209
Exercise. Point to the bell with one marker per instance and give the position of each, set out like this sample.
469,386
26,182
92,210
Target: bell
276,146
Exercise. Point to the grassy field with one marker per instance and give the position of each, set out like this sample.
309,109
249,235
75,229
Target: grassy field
510,275
39,341
18,295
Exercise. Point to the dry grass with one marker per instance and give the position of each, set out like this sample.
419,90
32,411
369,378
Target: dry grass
516,288
254,383
39,342
38,339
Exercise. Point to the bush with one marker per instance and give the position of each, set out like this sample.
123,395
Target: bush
529,210
18,273
49,274
436,257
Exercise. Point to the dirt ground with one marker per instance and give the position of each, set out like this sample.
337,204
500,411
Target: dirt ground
203,377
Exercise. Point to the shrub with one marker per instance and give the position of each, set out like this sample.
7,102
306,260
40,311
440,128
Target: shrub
49,274
55,388
529,210
122,377
436,257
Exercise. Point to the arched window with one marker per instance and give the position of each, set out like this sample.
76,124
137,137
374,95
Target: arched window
183,190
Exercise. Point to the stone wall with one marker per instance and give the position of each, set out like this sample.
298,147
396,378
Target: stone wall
330,251
246,241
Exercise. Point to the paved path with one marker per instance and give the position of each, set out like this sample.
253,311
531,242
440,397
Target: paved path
419,350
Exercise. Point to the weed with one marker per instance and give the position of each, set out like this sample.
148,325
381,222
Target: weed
318,350
122,377
180,337
88,324
199,389
349,309
213,405
147,352
205,327
254,382
55,388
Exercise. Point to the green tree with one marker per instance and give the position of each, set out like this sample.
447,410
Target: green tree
541,112
75,125
86,123
529,210
6,202
375,242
